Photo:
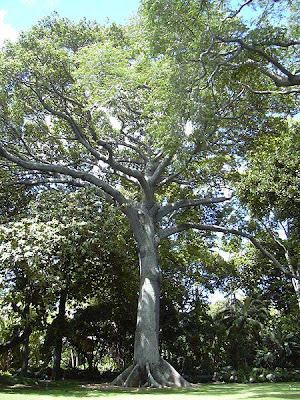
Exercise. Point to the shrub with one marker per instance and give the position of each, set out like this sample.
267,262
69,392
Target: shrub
5,379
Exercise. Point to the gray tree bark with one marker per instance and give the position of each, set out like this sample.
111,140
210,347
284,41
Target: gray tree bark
148,369
294,272
296,286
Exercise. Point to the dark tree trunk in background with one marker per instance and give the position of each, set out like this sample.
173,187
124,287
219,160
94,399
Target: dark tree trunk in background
15,341
59,324
25,357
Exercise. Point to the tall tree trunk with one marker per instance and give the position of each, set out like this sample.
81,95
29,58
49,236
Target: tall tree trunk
59,335
146,348
25,357
148,368
293,271
71,361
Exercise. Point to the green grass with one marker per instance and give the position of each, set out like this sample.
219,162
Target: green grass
78,391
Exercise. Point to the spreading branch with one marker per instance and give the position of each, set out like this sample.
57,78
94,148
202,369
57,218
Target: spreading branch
110,160
163,211
69,182
275,92
159,170
215,228
115,165
106,189
236,12
289,79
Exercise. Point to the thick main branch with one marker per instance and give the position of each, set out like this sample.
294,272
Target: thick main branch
59,169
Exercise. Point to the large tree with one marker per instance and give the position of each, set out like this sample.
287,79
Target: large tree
86,106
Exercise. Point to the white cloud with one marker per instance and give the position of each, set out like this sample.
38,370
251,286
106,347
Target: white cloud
7,32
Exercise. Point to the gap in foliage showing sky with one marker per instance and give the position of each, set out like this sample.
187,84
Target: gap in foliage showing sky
18,15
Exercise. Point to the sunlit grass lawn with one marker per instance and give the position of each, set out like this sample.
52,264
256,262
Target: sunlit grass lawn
78,391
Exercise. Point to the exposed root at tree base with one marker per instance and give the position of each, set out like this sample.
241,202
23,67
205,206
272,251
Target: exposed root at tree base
157,375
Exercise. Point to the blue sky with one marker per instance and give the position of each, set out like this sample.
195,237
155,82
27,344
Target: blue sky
16,15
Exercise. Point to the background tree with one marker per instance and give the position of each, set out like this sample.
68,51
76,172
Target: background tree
243,320
272,197
54,255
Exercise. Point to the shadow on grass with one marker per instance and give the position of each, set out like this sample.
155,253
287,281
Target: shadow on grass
75,389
